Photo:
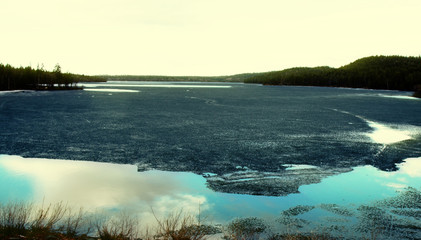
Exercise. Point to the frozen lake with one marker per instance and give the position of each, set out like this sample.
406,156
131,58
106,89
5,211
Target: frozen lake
235,150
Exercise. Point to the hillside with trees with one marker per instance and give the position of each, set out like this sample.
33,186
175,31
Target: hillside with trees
157,78
376,72
39,79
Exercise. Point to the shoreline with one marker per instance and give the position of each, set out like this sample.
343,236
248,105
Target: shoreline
415,94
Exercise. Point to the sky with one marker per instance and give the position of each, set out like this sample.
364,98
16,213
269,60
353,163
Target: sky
203,37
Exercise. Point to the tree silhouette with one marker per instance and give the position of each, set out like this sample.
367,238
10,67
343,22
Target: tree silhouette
38,79
377,72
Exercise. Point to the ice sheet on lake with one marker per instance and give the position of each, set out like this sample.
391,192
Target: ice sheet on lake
280,183
385,135
111,90
400,97
297,166
156,85
14,91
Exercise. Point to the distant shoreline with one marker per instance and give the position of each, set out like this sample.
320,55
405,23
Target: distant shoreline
416,94
375,72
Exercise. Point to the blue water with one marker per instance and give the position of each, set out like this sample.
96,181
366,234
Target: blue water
120,187
14,186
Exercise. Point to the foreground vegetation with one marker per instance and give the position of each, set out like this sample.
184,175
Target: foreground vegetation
39,79
377,72
396,217
26,221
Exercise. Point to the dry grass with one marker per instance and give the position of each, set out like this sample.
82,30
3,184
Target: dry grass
57,221
121,227
21,220
76,225
14,219
45,219
179,226
312,236
245,229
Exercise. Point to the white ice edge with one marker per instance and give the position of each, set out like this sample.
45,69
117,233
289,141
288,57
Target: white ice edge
399,97
155,86
174,82
385,135
298,166
14,91
111,90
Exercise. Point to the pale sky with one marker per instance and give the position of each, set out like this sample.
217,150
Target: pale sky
203,37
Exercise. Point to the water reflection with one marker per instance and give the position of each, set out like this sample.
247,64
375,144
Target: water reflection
410,167
100,185
114,187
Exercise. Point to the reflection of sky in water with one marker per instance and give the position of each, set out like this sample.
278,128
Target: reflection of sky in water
13,185
114,186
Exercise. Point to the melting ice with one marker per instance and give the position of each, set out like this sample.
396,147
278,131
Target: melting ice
386,135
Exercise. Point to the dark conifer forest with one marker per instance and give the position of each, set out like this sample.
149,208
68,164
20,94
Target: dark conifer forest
27,78
376,72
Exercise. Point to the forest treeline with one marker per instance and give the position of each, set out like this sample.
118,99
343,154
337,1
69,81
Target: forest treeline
27,78
376,72
156,78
